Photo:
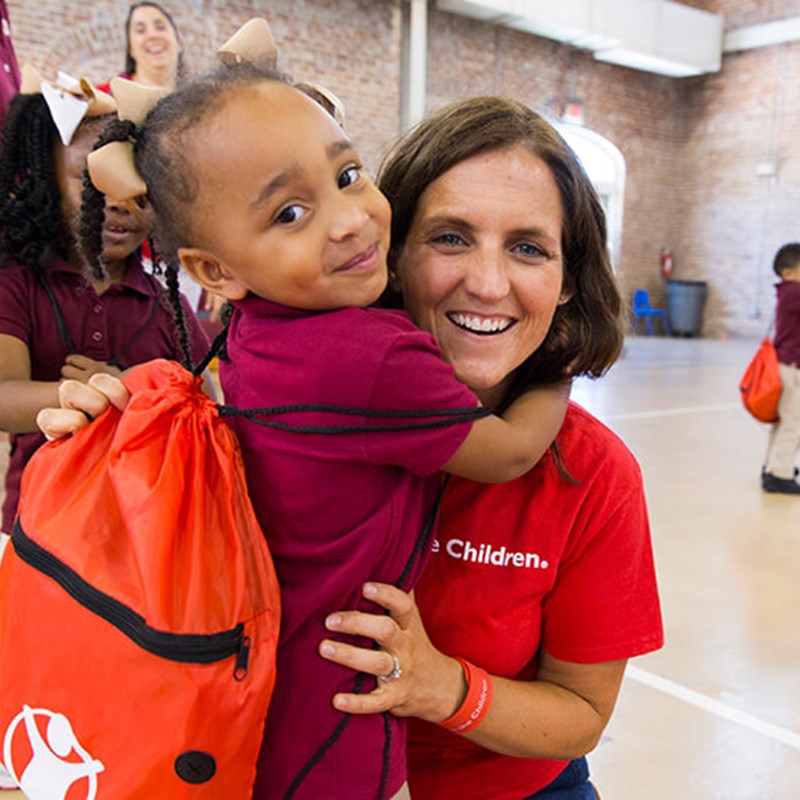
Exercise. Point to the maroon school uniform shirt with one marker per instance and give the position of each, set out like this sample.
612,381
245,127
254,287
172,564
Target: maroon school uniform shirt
131,322
337,510
787,322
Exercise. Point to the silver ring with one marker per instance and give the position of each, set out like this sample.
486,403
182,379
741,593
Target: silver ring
395,673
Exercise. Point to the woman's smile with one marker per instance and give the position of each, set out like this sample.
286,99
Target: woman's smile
481,268
479,323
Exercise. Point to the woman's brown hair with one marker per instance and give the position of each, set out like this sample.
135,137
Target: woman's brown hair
586,335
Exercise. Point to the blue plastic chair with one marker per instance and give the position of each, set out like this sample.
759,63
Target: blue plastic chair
643,310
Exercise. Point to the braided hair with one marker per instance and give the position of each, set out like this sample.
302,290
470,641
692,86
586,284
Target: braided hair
32,230
160,157
90,235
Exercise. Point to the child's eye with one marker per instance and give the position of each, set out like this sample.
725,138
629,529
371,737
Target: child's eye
290,214
349,176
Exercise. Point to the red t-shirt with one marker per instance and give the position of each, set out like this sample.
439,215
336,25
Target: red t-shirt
535,563
337,510
106,87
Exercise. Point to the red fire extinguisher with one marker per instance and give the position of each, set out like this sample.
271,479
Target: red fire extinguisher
666,262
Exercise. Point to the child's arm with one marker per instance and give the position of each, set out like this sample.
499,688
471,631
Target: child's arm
81,368
20,397
499,449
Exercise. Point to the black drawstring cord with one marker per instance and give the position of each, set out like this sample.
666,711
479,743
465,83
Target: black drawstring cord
422,542
433,418
216,346
453,416
387,754
312,762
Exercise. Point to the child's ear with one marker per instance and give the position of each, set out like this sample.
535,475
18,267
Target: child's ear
211,273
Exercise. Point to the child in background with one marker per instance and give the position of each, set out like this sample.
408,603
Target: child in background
56,323
260,195
784,440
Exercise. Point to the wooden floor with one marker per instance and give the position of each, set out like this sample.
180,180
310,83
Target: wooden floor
715,715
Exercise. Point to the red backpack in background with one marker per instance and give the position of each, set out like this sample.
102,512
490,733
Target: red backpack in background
139,607
760,387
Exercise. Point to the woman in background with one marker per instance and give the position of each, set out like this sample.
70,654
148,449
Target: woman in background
154,53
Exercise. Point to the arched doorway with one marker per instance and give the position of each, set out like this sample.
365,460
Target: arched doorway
605,166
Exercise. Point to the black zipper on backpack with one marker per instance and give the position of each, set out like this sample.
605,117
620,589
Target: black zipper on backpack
190,648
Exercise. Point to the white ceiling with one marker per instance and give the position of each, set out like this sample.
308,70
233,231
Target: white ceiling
652,35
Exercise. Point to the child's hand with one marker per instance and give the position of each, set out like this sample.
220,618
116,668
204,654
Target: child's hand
81,368
81,403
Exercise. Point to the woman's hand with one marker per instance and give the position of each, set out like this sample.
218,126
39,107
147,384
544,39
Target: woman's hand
559,715
81,403
431,685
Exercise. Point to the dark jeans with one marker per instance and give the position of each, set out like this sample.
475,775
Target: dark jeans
571,784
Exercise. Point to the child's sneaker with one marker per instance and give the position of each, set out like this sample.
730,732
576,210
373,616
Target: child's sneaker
775,485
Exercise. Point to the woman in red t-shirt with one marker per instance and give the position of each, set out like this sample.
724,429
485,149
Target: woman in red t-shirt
539,589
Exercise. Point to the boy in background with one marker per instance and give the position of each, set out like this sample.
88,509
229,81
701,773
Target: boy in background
784,441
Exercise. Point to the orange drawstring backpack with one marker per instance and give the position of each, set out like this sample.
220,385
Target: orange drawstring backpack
760,386
139,607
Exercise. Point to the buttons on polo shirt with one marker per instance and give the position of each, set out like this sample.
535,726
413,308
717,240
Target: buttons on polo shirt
98,309
97,336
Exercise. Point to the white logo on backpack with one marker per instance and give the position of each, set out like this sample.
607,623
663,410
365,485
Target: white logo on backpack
48,775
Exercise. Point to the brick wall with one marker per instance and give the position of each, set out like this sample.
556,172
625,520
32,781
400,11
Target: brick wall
691,146
352,46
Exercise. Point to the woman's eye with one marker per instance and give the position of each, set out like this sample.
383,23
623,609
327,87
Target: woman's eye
349,176
448,239
290,214
529,250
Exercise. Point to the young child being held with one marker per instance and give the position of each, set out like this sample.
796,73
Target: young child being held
55,322
263,199
784,439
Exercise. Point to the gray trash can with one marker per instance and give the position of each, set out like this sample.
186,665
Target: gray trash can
685,301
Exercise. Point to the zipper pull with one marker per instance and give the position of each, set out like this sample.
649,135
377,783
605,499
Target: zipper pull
242,659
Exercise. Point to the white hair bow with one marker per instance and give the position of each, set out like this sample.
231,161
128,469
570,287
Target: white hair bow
68,99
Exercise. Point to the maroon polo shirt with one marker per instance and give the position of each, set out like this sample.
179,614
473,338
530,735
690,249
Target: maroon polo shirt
130,323
787,322
337,510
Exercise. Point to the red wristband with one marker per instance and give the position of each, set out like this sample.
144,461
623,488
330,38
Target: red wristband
476,704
